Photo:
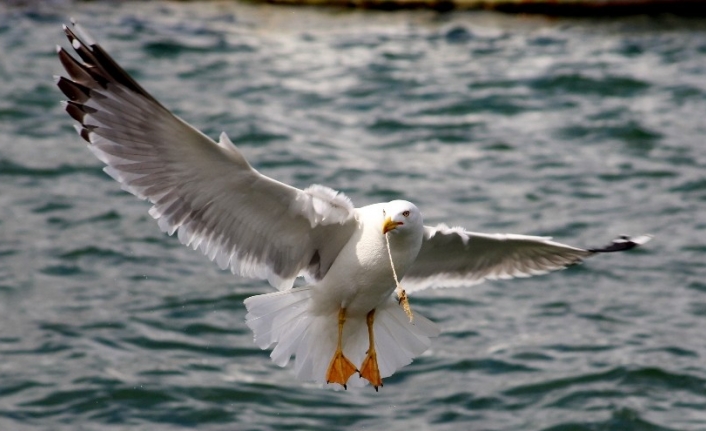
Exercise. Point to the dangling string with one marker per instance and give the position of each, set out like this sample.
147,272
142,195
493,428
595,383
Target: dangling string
401,294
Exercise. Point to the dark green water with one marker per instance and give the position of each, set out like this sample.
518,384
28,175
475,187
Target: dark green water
578,129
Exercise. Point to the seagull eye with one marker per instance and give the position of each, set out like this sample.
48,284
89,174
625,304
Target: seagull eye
406,213
384,213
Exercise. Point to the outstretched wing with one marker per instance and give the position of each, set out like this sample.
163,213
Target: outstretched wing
202,189
455,257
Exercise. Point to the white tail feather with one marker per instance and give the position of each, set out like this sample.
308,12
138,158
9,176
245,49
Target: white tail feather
285,320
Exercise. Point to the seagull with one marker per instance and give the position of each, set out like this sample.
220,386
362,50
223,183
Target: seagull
345,320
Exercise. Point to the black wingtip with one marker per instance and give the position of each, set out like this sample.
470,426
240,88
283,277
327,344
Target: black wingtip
73,90
622,243
98,69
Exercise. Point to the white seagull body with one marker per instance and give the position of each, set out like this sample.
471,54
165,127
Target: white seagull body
346,320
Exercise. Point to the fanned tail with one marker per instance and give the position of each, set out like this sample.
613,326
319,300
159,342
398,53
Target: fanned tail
397,340
284,320
280,319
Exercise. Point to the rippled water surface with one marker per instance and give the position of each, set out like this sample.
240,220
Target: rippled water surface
578,129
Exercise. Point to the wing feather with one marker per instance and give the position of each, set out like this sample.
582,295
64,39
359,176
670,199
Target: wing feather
205,191
452,257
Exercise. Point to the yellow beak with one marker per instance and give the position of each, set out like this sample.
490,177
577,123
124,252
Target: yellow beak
389,225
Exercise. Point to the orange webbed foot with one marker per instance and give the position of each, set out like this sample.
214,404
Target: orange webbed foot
340,369
370,371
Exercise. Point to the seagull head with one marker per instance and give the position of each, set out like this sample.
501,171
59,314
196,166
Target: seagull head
401,216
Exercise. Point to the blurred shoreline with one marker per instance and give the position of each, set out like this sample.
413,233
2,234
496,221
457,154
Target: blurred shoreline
543,7
568,8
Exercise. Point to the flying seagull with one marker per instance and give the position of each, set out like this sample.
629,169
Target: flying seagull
346,320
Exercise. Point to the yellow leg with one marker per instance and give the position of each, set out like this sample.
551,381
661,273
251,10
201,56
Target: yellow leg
369,370
340,369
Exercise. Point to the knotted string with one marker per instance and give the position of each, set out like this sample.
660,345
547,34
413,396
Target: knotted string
401,294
